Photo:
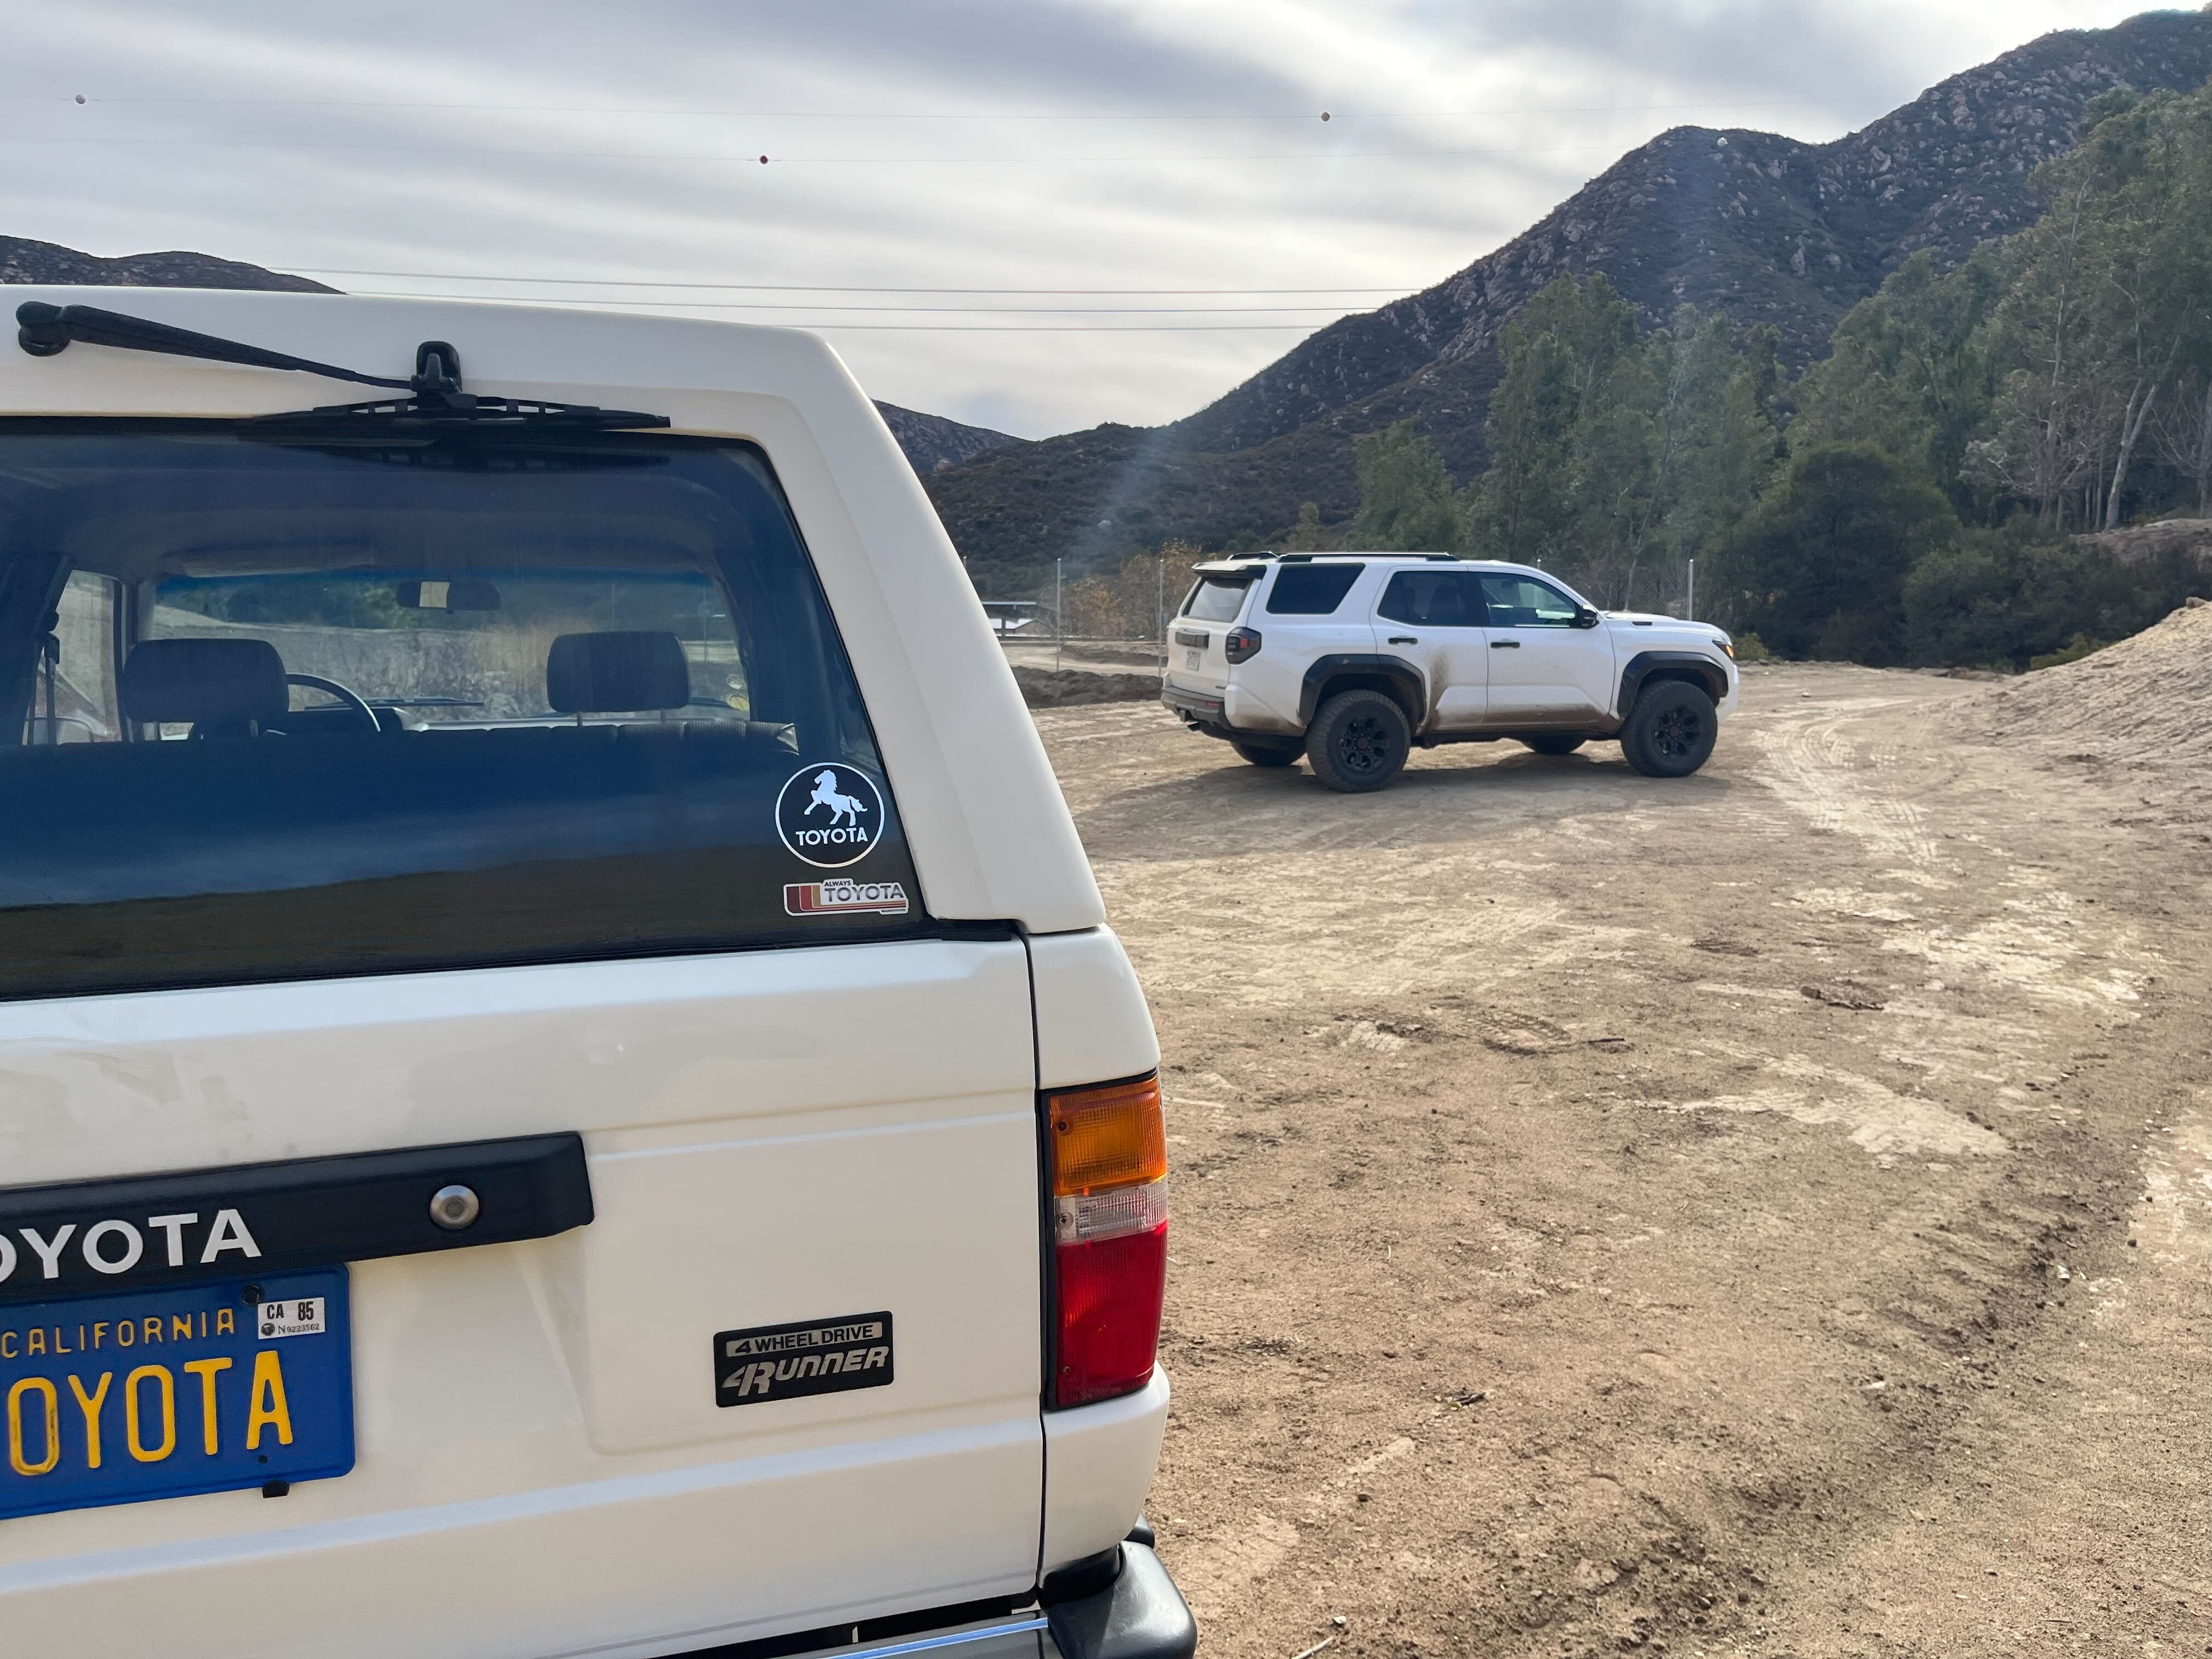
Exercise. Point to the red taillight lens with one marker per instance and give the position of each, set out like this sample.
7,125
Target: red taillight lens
1108,1152
1241,644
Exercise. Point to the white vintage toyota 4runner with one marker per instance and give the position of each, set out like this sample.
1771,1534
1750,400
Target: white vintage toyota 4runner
1352,659
563,1086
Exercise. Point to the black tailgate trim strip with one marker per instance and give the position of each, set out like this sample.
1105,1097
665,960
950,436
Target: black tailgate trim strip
148,1231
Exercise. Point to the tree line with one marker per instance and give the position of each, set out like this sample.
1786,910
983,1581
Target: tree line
1913,496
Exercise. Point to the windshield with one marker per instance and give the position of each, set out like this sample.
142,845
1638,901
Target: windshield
397,636
288,709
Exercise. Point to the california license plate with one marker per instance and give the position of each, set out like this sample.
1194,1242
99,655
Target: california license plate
1194,659
211,1388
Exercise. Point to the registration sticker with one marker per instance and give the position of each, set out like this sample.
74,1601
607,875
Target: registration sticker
302,1317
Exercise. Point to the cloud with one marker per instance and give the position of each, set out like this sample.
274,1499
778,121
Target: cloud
558,139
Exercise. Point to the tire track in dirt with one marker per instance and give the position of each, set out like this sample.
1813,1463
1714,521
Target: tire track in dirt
1508,1135
1820,775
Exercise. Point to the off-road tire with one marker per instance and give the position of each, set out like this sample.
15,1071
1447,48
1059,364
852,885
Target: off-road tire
1555,743
1670,731
1358,741
1267,754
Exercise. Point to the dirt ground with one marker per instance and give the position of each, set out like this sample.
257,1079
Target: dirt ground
1767,1212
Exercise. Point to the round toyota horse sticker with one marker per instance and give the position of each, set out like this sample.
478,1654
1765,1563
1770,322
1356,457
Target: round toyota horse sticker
830,815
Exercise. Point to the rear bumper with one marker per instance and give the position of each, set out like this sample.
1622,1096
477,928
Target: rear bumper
1126,1606
1196,705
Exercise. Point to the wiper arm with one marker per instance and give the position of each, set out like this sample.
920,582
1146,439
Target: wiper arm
435,401
45,331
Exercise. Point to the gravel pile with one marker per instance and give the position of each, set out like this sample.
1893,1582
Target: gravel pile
1058,688
2147,698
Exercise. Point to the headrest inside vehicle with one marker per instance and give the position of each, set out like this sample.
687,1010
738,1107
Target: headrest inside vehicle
218,686
615,673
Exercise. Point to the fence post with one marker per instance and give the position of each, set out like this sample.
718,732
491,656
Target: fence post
1059,615
1160,614
1690,604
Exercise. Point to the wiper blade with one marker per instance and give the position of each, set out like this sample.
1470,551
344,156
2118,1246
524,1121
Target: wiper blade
435,402
429,414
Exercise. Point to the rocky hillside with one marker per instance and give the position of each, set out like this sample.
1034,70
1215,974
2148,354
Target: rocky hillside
1767,229
25,261
932,443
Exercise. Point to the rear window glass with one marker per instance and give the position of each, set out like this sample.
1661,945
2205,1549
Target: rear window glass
1311,590
287,711
1216,599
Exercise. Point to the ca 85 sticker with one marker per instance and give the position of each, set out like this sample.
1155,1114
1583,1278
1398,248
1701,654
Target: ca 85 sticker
812,1356
829,814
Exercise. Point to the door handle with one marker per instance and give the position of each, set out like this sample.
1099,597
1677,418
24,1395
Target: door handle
1505,645
1403,639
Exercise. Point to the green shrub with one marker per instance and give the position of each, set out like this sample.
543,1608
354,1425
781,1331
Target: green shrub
2015,597
1820,569
1750,648
2080,647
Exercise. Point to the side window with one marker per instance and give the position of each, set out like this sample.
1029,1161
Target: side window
73,690
1433,598
1311,590
1524,602
1215,600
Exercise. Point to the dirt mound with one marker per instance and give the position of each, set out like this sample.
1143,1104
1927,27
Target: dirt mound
2147,698
1058,688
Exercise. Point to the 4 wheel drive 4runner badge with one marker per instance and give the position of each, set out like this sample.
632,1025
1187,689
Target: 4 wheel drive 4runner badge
814,1356
829,814
840,896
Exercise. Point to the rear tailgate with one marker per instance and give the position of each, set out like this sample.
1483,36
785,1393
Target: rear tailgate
1195,662
542,1446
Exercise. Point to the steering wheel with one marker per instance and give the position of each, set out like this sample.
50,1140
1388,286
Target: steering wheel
352,700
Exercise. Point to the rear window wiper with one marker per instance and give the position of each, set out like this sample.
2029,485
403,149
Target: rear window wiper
434,402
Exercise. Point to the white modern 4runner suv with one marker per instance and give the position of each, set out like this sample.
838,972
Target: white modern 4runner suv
564,1087
1351,659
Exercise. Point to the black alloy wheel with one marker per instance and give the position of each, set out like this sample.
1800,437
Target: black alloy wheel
1676,734
1670,731
1358,741
1363,747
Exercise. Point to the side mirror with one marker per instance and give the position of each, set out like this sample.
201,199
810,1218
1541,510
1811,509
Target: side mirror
1586,618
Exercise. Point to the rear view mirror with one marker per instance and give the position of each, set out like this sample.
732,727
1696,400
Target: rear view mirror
447,596
1586,618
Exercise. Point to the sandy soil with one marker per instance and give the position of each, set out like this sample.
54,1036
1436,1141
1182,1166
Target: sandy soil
1763,1213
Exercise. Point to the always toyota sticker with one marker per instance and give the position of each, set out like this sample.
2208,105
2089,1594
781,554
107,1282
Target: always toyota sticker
829,814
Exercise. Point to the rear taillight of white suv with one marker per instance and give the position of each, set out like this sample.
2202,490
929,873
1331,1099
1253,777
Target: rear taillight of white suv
1241,644
1107,1148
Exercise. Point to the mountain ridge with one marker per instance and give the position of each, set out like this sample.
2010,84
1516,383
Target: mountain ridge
1763,228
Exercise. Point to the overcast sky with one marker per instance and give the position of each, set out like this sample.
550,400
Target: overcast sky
1057,161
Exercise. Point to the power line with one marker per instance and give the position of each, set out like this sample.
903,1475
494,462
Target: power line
798,160
811,305
812,287
901,115
921,328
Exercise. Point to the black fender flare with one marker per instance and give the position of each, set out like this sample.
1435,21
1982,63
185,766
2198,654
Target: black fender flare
1399,672
1704,670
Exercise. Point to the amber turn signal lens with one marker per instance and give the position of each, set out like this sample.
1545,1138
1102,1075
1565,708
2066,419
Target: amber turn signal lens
1112,1136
